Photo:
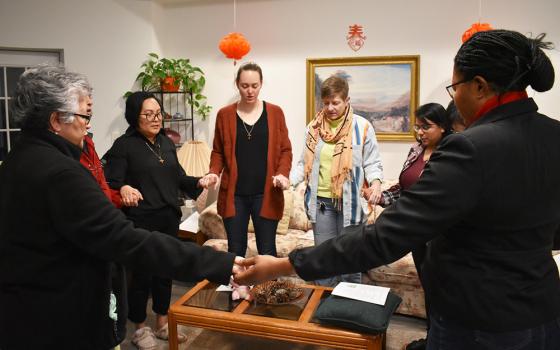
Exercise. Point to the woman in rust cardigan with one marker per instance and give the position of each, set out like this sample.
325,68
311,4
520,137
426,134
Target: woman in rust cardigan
253,154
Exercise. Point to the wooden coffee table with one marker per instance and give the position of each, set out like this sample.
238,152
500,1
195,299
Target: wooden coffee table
203,307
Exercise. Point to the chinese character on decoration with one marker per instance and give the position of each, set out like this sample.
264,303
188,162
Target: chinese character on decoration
475,28
356,37
234,45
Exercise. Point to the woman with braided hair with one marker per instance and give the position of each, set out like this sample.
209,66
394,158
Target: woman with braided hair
488,203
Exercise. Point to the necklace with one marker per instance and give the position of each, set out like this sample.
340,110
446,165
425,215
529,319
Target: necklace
249,132
158,155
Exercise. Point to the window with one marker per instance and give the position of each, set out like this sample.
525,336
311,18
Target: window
13,63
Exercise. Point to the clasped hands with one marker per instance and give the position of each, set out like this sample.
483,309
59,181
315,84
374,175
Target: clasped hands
259,269
373,193
130,196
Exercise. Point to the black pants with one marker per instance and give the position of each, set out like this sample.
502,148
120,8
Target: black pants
141,283
236,227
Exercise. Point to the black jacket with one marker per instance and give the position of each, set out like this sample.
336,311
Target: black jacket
58,232
489,199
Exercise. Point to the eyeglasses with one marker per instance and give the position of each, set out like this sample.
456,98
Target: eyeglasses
85,117
451,88
151,116
423,127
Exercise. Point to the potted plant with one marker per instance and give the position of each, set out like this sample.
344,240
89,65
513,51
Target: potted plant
172,75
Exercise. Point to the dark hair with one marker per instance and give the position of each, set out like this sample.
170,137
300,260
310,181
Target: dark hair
134,106
435,113
453,114
335,84
248,66
508,60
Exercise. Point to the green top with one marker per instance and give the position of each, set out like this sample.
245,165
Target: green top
325,164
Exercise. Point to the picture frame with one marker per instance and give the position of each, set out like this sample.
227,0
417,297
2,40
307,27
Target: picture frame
383,89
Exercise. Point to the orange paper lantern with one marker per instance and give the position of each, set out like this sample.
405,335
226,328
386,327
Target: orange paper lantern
475,28
235,46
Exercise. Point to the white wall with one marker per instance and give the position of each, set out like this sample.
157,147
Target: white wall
105,39
283,33
109,39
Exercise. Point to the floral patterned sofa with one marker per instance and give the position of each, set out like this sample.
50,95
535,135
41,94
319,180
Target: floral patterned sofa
294,231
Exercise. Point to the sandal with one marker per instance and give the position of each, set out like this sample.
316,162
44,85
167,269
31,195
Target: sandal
163,333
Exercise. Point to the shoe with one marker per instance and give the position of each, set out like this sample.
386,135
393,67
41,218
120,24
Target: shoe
144,339
419,344
163,333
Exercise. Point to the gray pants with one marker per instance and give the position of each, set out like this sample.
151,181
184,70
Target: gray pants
330,224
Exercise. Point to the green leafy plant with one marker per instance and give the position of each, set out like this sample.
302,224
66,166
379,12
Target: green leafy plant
187,78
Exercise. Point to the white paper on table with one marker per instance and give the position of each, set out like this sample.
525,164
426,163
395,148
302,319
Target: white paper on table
370,294
224,288
191,223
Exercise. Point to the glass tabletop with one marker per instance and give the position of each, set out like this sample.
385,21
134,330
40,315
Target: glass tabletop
209,298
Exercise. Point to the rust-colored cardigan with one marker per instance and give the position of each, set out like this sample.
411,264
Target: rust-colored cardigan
279,160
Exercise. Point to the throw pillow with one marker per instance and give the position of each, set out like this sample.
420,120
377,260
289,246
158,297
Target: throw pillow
211,224
357,315
299,220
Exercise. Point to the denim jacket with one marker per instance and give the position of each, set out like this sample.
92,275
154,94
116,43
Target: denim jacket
366,165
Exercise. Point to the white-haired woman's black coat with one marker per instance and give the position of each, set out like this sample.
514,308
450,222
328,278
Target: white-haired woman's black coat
58,233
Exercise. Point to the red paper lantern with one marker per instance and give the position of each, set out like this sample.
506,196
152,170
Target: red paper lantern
235,46
475,28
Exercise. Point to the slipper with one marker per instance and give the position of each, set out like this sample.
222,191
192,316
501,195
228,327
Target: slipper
163,333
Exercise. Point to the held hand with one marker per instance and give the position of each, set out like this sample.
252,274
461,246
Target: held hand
130,196
209,180
281,181
262,268
237,266
373,193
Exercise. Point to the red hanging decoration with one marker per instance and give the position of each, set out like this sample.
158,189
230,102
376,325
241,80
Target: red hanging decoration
356,37
235,46
475,28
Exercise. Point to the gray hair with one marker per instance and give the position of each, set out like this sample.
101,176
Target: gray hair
45,89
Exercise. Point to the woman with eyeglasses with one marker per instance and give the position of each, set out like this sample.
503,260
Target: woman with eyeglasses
59,232
431,127
487,202
142,164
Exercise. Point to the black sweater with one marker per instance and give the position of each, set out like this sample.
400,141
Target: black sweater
134,161
58,232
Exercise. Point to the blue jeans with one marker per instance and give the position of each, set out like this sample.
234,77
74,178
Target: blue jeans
236,227
445,335
330,224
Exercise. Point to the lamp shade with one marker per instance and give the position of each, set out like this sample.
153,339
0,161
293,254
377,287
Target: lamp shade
194,157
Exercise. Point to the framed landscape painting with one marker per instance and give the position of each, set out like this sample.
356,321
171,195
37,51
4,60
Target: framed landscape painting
383,89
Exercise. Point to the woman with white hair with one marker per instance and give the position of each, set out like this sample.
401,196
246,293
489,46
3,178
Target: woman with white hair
59,232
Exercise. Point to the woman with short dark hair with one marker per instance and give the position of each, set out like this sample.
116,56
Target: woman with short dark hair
142,164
